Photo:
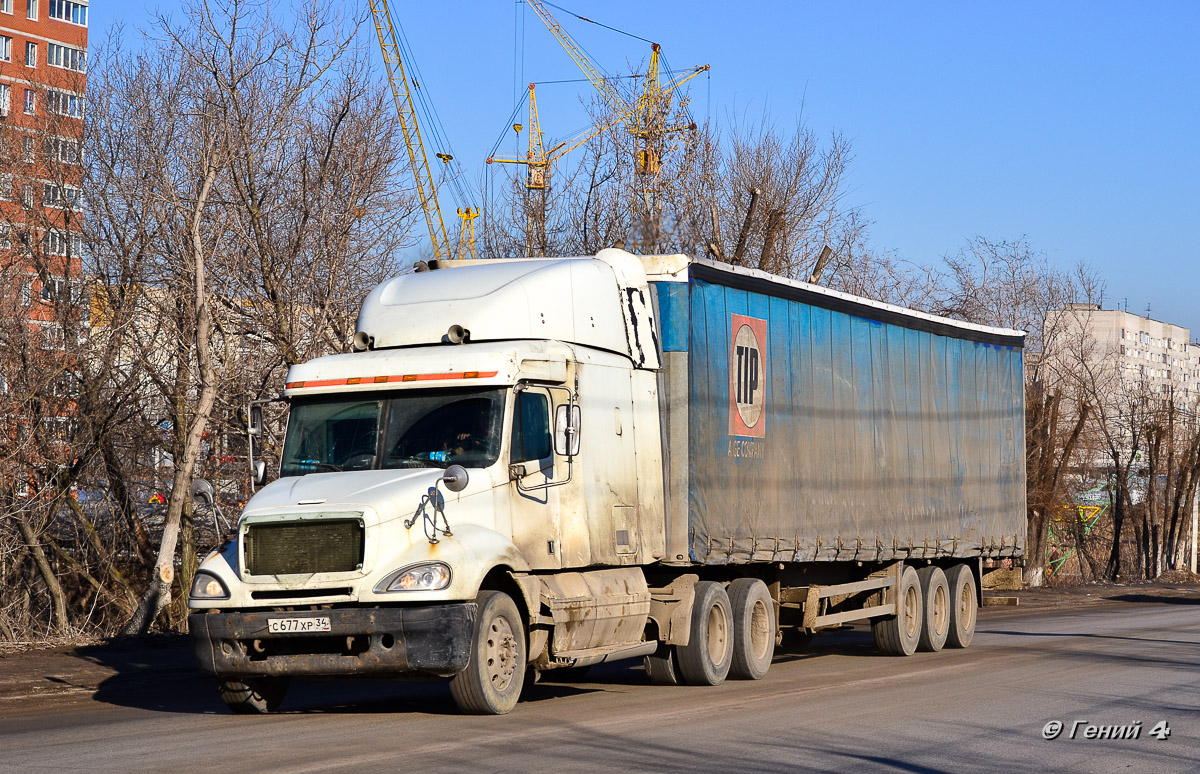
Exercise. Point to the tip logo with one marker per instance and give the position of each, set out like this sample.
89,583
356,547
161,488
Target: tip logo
747,376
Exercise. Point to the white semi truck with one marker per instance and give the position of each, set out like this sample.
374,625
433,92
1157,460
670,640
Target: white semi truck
548,463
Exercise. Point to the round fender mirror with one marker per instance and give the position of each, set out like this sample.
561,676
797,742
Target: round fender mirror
455,478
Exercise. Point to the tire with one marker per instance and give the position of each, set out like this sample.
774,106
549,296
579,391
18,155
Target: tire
253,695
753,628
662,667
964,606
706,659
898,635
495,673
936,594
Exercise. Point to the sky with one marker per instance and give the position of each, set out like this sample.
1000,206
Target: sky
1075,125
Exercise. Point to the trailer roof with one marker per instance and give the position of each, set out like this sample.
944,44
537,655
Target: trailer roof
679,268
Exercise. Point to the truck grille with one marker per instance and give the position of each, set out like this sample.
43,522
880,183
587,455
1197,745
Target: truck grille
304,547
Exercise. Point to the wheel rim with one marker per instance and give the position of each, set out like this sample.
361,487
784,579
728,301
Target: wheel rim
760,630
912,607
718,635
966,607
941,610
501,654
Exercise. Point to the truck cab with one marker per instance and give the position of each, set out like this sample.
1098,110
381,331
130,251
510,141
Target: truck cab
495,426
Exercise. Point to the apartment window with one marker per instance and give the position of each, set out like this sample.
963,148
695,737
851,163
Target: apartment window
54,195
27,149
58,289
5,48
62,150
64,103
64,243
65,10
5,95
25,292
31,54
5,6
5,242
31,9
27,196
66,57
54,337
30,102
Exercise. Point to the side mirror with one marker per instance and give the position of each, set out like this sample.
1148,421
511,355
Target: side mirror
202,492
260,472
255,425
566,431
455,478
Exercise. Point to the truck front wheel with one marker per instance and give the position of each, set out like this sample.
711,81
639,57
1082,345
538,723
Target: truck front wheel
253,695
495,674
898,635
753,628
706,658
964,606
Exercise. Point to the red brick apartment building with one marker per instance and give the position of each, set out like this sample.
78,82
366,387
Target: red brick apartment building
43,63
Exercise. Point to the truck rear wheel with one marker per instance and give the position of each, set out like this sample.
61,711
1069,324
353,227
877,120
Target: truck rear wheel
253,695
753,628
936,596
495,674
898,635
964,606
705,660
662,667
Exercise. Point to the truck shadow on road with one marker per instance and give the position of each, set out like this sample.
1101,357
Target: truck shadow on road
158,673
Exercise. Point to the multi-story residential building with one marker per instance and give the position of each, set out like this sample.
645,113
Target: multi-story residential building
43,63
1143,352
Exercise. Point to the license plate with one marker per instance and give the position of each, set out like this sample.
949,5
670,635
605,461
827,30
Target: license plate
298,625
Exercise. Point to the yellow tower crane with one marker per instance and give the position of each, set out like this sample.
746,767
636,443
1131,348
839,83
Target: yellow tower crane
426,190
646,116
540,162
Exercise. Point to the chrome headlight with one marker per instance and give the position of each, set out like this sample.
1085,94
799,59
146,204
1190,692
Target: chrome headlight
207,586
427,576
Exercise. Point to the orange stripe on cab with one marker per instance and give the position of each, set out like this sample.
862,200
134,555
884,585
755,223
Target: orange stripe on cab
385,379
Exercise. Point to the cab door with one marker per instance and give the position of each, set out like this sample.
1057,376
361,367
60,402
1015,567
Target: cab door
534,505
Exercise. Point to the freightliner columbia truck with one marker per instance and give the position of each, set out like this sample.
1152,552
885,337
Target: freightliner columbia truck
543,464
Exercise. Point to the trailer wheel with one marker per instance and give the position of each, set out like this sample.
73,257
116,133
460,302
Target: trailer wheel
706,658
964,606
662,666
495,674
753,628
898,635
936,595
253,695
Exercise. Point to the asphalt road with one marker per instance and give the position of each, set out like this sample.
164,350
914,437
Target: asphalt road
833,707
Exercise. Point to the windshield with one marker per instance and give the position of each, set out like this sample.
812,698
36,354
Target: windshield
418,429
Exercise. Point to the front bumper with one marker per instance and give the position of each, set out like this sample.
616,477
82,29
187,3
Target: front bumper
433,640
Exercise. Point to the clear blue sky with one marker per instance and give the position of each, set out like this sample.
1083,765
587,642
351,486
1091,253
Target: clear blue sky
1074,124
